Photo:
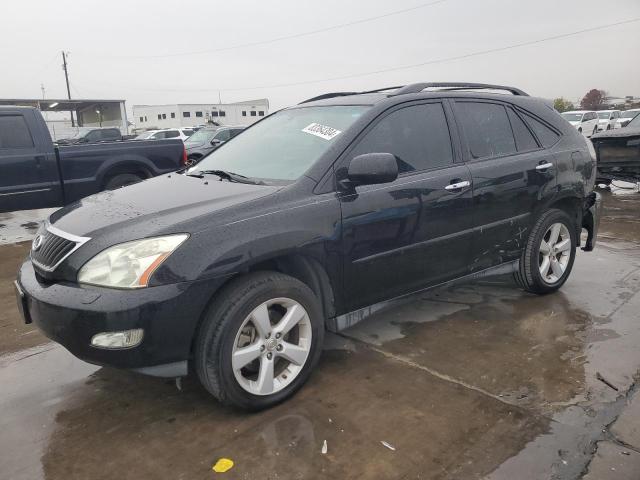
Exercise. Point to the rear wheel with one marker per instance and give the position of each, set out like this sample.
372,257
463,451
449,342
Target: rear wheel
548,257
122,180
259,340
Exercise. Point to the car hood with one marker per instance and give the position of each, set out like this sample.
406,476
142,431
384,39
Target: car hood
163,204
575,124
189,146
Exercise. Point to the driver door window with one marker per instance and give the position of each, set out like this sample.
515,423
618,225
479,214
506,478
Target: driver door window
418,136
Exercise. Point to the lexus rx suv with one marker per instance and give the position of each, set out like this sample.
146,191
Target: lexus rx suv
234,268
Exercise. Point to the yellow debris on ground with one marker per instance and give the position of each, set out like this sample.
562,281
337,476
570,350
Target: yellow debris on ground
223,465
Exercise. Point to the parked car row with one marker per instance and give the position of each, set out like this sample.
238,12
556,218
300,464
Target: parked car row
589,122
181,133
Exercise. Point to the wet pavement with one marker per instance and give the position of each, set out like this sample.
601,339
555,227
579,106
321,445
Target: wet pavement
475,381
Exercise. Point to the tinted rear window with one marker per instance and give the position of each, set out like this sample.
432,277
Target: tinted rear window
14,132
546,136
487,129
524,138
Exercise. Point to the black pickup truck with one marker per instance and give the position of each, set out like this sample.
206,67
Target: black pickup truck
34,173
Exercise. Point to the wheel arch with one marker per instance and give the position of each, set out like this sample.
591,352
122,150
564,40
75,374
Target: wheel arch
134,168
306,269
570,204
301,267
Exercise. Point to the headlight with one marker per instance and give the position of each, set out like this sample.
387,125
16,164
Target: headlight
131,264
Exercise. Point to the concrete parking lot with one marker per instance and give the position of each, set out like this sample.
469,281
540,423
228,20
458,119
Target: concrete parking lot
473,381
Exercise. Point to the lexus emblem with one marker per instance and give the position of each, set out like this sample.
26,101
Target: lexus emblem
37,243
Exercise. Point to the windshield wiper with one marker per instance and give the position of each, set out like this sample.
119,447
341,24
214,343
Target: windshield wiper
229,176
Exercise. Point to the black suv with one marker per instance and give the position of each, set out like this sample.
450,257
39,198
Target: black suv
235,267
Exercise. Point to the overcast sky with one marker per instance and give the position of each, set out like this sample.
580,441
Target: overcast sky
114,47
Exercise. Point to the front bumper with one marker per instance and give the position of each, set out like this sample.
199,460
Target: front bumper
71,314
591,219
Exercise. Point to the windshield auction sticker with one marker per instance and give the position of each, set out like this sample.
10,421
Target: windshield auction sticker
321,131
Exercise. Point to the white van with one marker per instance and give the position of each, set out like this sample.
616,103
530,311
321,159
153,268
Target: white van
585,121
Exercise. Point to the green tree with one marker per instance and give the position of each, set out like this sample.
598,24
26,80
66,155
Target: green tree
562,105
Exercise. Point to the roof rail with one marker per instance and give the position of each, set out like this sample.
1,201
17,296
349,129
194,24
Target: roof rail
344,94
328,95
418,87
377,90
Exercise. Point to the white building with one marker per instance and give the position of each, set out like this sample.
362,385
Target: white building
151,117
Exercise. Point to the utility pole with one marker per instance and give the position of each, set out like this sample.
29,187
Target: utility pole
43,97
66,77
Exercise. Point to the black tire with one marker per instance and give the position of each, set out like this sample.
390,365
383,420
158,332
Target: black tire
528,275
217,333
595,130
580,129
122,180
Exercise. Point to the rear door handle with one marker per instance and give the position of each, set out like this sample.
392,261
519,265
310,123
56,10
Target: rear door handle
544,166
457,186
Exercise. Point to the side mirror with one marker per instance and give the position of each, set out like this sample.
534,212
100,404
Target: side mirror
216,142
372,168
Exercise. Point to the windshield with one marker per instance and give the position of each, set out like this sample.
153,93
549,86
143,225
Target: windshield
604,115
284,145
201,136
629,114
572,117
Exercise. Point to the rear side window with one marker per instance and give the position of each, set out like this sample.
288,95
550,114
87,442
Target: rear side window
524,139
418,136
545,135
14,132
487,129
171,134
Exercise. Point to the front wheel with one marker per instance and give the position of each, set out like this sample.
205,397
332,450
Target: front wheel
259,340
548,256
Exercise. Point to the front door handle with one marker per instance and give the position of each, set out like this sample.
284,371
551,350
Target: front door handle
544,166
458,186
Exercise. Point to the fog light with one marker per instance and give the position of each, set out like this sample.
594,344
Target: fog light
125,339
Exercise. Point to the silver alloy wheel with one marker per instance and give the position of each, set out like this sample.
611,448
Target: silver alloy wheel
555,252
272,346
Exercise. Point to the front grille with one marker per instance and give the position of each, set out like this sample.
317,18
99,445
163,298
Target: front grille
52,249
